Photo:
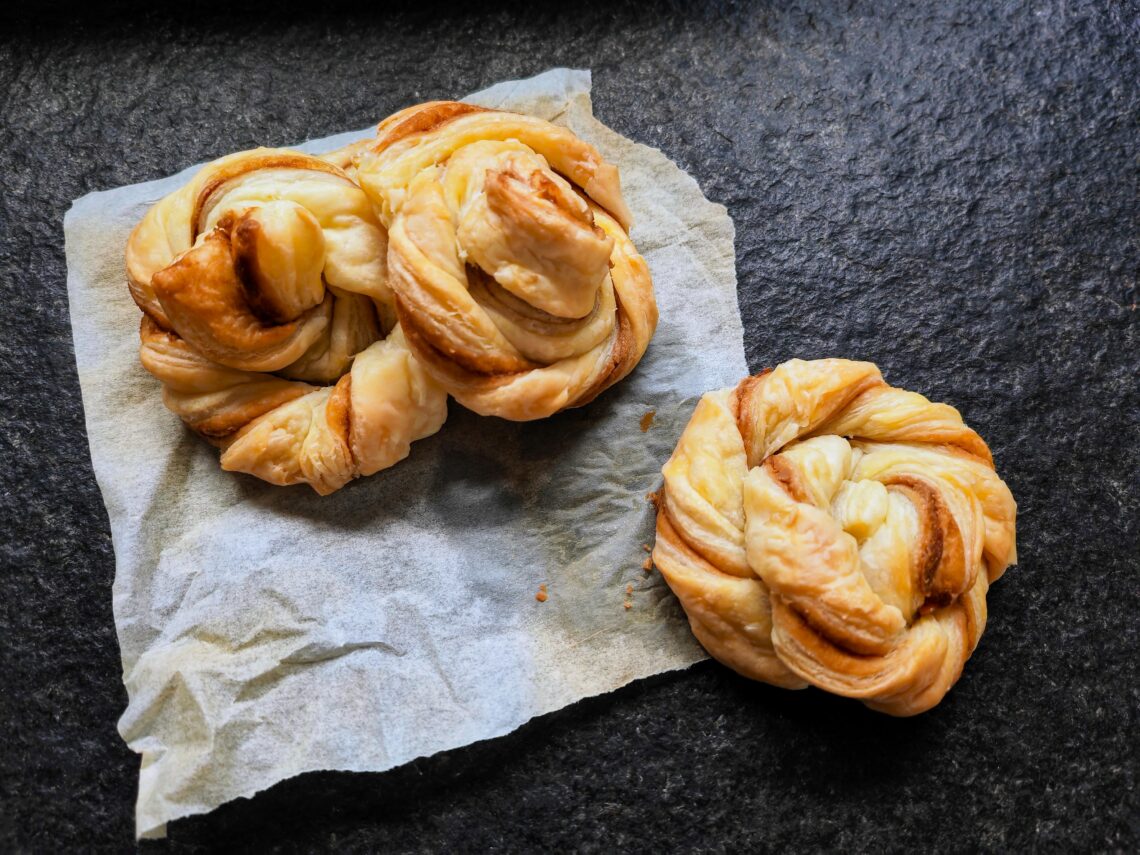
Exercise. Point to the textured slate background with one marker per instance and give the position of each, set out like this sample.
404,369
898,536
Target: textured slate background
950,192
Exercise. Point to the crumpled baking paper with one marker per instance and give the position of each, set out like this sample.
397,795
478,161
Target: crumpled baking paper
267,632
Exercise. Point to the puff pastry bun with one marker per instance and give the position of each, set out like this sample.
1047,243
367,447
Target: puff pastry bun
268,318
823,528
516,282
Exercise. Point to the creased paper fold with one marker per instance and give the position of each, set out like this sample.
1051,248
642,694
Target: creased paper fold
267,632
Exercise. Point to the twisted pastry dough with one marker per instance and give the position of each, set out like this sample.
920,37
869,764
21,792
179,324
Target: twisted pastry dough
516,281
265,301
821,527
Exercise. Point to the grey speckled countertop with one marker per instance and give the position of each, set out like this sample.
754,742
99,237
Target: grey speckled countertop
950,192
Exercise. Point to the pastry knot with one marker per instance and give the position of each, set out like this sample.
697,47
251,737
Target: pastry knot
823,528
515,279
268,318
249,293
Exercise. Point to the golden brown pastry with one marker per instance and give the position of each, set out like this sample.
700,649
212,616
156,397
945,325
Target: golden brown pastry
821,527
516,282
269,320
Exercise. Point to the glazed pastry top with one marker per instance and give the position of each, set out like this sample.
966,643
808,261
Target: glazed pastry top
823,527
515,277
267,273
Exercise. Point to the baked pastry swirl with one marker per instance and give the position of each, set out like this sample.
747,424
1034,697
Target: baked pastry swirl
821,527
268,318
516,282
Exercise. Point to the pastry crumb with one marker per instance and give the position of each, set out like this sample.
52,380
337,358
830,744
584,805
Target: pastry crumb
647,547
628,605
629,589
647,565
653,496
647,420
541,595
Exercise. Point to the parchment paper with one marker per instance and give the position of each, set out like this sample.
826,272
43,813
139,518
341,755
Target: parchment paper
267,632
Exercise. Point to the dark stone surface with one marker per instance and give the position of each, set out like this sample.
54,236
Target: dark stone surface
948,191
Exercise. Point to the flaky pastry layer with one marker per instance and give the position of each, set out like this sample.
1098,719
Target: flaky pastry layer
823,528
516,282
268,318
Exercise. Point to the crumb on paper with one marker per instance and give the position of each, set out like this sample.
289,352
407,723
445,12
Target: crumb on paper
629,588
647,420
647,565
647,547
628,605
541,595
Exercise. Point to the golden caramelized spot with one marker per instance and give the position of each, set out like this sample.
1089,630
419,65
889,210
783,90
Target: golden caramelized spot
153,313
617,365
509,188
939,555
437,351
254,163
420,119
339,409
151,331
742,395
278,253
490,294
232,419
784,474
906,414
